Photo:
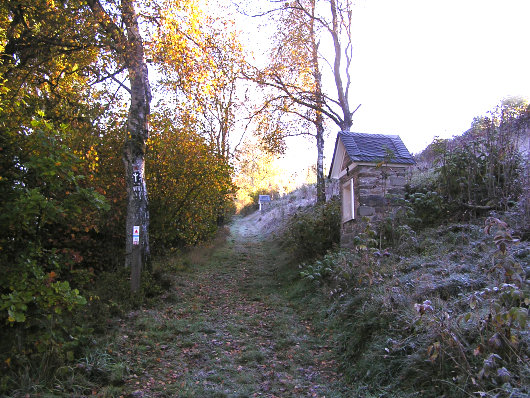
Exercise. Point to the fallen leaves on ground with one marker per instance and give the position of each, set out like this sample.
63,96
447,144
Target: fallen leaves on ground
225,331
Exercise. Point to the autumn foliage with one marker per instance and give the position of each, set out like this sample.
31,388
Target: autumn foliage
190,185
63,114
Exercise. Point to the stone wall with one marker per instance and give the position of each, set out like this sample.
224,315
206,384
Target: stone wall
372,186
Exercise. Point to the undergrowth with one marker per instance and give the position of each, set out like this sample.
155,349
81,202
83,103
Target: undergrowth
76,365
443,315
314,230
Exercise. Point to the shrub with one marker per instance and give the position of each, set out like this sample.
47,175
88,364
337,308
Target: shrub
479,171
319,271
312,232
42,199
428,206
395,228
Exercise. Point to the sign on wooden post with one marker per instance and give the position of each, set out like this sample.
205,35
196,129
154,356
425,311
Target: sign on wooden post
264,199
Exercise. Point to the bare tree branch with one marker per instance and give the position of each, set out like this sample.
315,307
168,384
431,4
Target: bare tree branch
113,77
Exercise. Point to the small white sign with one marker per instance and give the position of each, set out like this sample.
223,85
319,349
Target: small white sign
136,235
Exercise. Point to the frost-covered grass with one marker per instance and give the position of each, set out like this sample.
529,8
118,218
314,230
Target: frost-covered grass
432,319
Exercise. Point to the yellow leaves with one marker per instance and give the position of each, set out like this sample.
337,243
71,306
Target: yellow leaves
91,157
187,182
199,54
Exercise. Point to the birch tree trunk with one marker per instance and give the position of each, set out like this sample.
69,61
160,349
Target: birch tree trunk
137,247
338,23
128,49
319,101
321,182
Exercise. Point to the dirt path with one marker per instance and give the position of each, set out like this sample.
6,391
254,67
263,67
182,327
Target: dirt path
226,331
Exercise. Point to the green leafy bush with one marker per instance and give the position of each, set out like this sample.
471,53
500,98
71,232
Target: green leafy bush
42,198
395,228
312,232
428,206
319,270
345,270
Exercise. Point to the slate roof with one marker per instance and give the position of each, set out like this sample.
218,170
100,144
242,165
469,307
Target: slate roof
372,148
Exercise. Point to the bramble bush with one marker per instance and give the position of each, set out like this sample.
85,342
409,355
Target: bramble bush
485,349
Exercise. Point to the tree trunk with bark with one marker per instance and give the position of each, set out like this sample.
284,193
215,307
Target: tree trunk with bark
129,50
321,182
337,24
137,247
319,101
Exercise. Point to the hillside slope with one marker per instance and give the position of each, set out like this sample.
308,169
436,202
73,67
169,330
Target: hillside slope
442,312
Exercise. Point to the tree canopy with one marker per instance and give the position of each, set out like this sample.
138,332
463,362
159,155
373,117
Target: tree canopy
80,148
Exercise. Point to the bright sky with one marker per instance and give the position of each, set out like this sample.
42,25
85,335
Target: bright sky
425,68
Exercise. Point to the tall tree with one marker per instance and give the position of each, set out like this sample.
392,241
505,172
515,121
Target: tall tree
200,58
46,52
52,49
127,47
319,102
296,71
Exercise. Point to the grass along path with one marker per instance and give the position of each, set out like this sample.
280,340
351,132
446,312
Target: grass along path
226,331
